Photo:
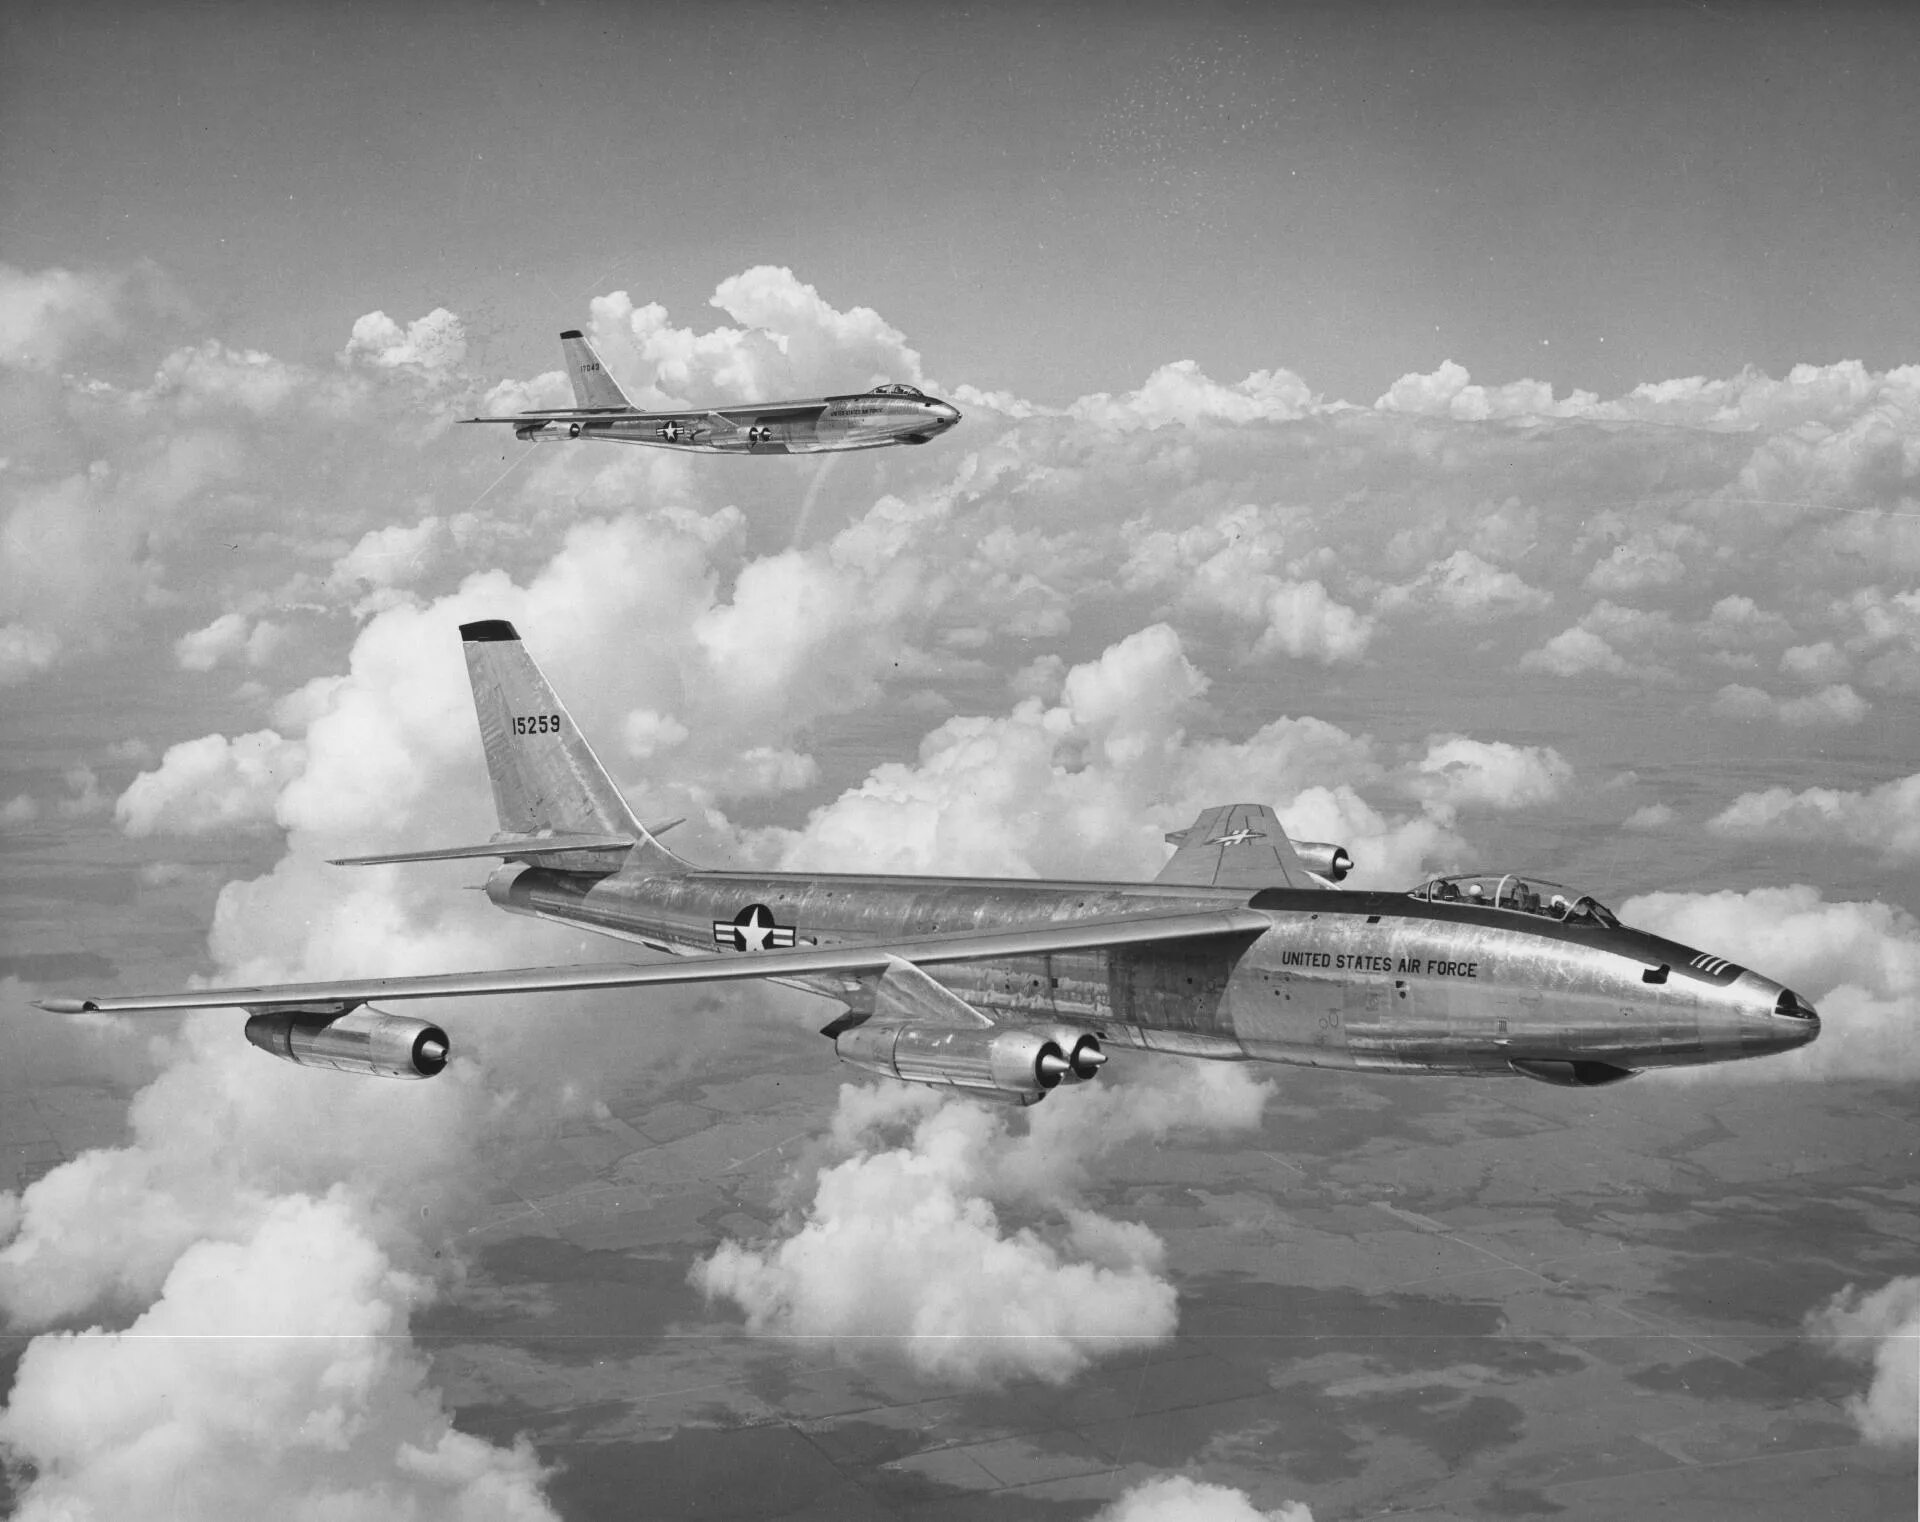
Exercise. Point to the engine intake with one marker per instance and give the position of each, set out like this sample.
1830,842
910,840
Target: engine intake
368,1041
1324,859
1017,1065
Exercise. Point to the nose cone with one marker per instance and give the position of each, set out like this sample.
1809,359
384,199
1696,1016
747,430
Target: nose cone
1782,1021
943,414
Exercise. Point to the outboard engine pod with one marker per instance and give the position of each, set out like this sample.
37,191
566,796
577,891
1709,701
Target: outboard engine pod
1324,859
368,1041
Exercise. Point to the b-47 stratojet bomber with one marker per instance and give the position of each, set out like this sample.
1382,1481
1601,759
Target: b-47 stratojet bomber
1243,947
895,413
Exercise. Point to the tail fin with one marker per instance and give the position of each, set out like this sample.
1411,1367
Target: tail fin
592,386
546,778
1238,845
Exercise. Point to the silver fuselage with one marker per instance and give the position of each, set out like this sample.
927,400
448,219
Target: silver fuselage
864,421
1340,979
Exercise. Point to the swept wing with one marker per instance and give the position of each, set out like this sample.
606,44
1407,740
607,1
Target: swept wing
870,956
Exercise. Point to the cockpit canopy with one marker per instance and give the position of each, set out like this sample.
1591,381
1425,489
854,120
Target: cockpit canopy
1521,895
896,388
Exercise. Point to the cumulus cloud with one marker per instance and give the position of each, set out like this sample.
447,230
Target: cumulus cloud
1882,1328
230,637
1181,393
1449,392
1305,622
1576,652
792,342
1089,787
1885,819
1466,587
906,1246
272,1375
432,347
44,313
1179,1498
1833,707
710,638
213,783
1858,962
1461,772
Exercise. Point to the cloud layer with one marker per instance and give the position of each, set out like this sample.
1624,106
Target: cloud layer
908,1246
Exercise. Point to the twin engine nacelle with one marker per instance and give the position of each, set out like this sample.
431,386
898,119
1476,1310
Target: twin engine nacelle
1324,859
361,1041
1012,1064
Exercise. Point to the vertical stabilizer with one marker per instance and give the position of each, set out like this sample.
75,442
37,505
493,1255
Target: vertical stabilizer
1236,845
592,386
546,778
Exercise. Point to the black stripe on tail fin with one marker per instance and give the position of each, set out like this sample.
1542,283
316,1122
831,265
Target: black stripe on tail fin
593,387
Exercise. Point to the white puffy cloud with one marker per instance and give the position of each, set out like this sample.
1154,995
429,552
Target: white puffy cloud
792,343
432,347
1305,622
1576,652
1449,392
1181,393
1090,786
271,1376
1882,1328
230,637
1832,707
1461,772
1180,1498
1821,662
1467,587
1859,963
44,313
906,1248
1738,623
395,556
213,783
1884,819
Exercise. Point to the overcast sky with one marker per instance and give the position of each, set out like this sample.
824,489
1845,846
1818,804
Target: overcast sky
1491,436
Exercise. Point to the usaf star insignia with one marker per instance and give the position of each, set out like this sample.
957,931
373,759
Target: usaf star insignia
753,929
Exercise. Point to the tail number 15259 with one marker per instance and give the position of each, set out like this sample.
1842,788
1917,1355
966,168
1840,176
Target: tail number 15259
536,724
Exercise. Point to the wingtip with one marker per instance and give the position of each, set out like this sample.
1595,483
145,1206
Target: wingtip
64,1006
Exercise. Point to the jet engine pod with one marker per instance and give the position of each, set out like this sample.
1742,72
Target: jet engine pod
1083,1058
1575,1074
1324,860
361,1041
1015,1065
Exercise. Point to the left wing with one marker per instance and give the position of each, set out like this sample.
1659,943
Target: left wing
740,415
870,956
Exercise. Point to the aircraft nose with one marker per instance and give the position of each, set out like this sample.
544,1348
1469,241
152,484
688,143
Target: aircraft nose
1783,1021
943,413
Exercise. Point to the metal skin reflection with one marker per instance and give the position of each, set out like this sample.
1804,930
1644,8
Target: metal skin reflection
1243,948
891,413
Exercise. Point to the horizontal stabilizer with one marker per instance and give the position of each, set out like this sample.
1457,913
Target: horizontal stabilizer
511,848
